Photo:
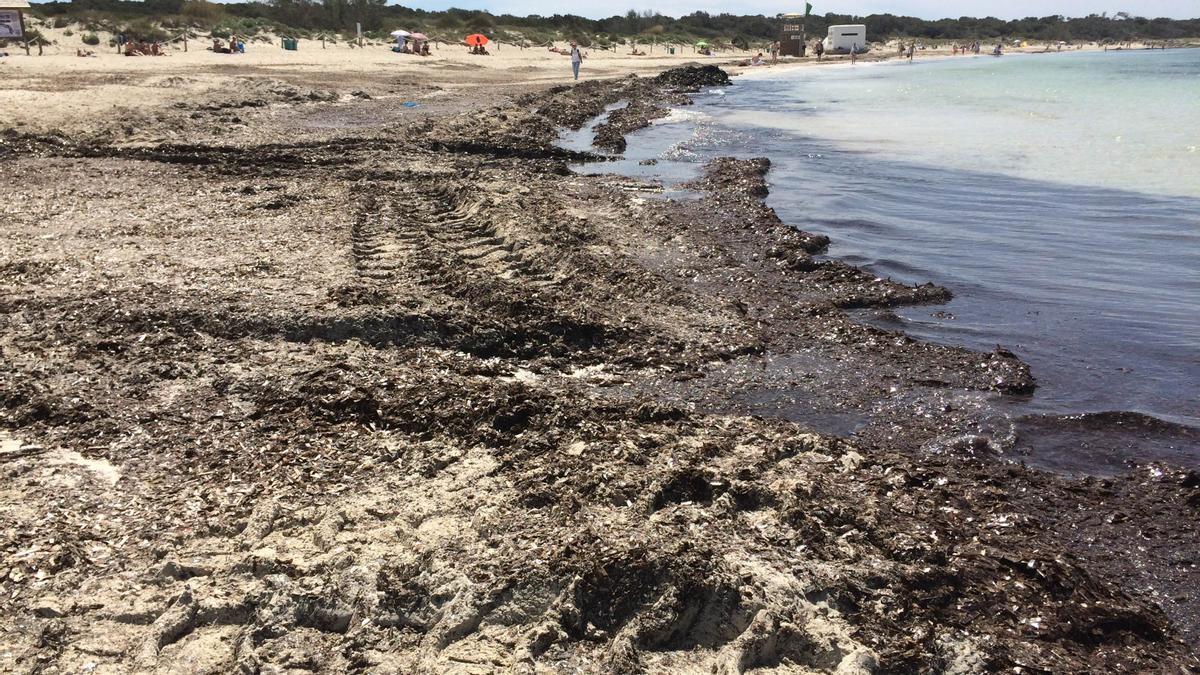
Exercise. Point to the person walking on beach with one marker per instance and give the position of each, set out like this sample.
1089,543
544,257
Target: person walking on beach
774,53
912,48
819,50
576,58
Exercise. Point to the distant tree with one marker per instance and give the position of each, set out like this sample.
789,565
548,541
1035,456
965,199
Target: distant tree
340,16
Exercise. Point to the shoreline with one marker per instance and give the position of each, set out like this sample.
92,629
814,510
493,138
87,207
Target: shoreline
409,390
1172,446
937,55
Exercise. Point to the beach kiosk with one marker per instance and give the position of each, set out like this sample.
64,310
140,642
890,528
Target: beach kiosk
12,21
842,39
791,38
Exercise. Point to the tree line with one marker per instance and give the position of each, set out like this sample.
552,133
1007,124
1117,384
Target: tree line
376,15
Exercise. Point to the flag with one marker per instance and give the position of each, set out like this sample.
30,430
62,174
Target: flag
807,8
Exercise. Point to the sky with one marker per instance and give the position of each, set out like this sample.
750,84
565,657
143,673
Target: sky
928,9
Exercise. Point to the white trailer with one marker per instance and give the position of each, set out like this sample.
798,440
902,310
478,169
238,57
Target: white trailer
847,38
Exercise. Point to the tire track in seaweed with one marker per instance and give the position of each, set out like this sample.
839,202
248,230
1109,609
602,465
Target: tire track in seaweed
379,248
450,230
473,236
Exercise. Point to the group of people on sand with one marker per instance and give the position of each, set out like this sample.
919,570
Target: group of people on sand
236,46
758,59
139,48
480,50
415,48
972,48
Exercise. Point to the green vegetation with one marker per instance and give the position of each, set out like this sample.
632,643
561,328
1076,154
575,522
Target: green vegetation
313,17
90,39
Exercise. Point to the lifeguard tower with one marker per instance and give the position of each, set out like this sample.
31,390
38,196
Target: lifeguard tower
791,37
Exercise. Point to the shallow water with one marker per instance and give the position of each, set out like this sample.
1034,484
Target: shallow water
1058,196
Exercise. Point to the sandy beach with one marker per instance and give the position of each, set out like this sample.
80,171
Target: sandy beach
327,361
62,90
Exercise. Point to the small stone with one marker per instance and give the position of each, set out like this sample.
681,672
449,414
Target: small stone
48,609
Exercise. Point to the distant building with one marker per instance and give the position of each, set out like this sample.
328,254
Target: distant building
846,38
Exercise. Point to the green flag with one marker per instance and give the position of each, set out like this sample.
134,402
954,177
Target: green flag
807,8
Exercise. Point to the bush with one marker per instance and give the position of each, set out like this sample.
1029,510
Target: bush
91,39
144,30
201,11
447,22
68,32
61,22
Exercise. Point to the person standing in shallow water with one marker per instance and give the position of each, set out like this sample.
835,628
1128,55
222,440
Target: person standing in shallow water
576,59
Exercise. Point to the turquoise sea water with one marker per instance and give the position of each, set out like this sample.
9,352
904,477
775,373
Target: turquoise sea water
1119,120
1058,197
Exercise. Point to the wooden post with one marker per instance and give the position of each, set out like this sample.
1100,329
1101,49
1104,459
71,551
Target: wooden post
21,27
322,41
358,28
185,42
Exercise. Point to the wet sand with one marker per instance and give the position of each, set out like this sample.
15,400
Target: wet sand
302,379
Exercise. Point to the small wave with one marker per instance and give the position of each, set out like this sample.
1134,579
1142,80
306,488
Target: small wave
678,116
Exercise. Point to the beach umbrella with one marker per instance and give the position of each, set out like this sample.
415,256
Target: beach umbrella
702,43
477,40
419,37
400,33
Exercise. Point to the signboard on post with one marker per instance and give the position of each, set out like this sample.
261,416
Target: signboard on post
11,26
791,38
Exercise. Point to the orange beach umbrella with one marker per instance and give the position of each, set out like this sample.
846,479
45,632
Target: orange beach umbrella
477,40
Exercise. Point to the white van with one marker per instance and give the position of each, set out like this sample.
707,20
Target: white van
843,39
